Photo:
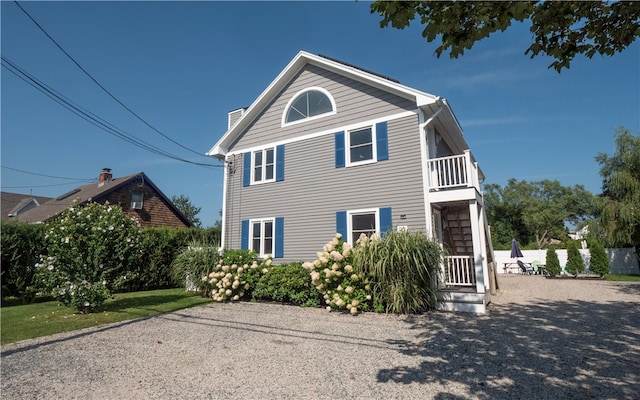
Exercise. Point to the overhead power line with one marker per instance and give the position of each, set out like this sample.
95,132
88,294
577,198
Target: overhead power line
101,86
89,116
47,176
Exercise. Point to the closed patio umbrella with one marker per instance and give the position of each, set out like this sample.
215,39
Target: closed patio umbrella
515,250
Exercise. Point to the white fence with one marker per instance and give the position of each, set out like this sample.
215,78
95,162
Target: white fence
623,261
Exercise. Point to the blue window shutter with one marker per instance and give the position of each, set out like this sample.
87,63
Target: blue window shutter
341,224
279,244
280,163
244,235
246,169
340,154
385,220
382,141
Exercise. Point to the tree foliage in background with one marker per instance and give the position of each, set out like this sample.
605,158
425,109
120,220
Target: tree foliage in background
599,263
561,29
183,203
619,204
552,263
575,263
533,213
20,249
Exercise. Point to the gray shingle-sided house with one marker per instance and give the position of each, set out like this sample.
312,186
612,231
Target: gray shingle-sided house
329,147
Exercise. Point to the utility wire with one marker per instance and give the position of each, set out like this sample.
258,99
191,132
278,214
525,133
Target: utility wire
47,176
101,86
89,116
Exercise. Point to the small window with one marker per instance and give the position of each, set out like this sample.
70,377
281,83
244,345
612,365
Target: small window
361,145
308,104
364,222
136,200
262,235
263,165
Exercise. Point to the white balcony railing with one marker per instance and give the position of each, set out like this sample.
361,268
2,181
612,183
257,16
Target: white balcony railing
459,271
454,172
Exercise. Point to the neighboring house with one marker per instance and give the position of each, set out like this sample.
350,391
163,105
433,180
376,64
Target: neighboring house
329,147
136,194
13,204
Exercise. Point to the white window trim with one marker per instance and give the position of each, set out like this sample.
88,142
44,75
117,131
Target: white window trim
350,213
347,146
262,222
133,204
284,122
264,165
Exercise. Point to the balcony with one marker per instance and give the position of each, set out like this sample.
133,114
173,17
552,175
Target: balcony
454,177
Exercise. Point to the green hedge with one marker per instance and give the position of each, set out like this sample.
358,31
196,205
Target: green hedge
22,243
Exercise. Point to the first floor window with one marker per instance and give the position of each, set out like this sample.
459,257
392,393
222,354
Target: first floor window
363,223
262,236
354,223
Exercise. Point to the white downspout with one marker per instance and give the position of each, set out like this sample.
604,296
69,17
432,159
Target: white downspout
223,230
424,151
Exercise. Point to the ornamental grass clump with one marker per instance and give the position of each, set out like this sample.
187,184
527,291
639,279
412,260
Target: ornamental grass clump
402,267
90,249
332,274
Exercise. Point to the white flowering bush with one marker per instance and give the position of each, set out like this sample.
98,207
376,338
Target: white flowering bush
333,275
231,280
89,250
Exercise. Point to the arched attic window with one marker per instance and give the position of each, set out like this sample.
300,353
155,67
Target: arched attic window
310,103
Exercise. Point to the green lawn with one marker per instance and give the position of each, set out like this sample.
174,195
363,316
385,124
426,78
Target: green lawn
41,319
622,278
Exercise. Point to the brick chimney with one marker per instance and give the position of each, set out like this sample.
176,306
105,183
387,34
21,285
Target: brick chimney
105,177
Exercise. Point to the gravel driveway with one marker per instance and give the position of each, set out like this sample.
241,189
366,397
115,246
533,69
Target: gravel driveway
541,339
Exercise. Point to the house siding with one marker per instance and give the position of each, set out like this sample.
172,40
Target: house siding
355,102
155,211
314,189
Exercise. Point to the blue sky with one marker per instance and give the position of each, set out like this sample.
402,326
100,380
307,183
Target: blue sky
182,66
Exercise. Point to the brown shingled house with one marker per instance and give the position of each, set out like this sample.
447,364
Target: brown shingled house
136,194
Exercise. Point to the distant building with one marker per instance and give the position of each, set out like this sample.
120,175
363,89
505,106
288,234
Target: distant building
14,204
138,196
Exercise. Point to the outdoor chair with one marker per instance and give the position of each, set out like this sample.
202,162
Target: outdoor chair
526,269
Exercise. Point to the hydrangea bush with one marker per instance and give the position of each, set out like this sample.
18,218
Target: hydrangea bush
231,281
90,248
333,275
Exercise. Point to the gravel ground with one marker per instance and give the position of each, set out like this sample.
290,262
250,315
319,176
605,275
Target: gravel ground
541,339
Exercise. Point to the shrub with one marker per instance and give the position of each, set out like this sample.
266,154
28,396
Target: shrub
575,263
235,275
193,263
332,274
402,267
287,283
599,261
89,249
20,247
552,262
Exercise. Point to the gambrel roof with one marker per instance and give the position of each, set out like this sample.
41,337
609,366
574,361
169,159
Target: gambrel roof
429,103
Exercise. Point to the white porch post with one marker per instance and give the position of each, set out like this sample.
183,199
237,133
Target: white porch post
479,256
482,225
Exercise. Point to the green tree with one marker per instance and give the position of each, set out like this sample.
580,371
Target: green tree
599,263
183,203
619,204
90,249
535,212
575,263
561,29
552,263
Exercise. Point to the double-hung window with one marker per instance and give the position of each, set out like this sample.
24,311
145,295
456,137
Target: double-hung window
354,223
262,233
363,145
263,165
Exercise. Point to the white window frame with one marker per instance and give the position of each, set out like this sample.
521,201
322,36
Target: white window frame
300,93
263,222
134,203
264,165
350,215
347,146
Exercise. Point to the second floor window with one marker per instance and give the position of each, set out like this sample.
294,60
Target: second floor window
263,165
